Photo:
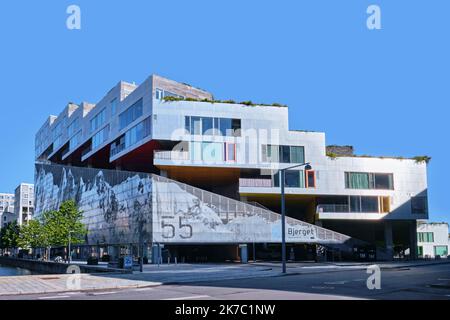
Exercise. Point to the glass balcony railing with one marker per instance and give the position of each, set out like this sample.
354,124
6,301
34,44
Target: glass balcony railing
334,208
115,149
255,183
171,155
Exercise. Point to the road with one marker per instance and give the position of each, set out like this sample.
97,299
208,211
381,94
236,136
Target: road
422,282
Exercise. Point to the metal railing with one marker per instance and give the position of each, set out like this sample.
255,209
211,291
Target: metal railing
86,151
115,149
229,209
255,183
336,208
171,155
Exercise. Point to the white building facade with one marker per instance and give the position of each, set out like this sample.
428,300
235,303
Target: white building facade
6,209
24,203
235,150
432,239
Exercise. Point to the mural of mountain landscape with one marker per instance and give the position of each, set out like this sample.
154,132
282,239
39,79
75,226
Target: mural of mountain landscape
122,207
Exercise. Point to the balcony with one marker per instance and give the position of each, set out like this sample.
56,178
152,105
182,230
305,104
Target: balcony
335,208
171,155
86,151
116,149
255,183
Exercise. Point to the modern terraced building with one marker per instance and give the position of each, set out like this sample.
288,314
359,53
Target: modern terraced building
163,163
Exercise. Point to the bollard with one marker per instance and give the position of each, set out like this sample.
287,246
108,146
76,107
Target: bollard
168,260
176,262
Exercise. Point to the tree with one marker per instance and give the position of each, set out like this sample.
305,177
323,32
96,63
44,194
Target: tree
32,235
64,225
10,236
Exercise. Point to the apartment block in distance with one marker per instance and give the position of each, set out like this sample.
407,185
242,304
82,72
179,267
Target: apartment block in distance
24,203
6,209
164,163
432,239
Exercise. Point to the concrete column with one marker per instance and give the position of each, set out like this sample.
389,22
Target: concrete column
244,253
413,240
388,239
156,254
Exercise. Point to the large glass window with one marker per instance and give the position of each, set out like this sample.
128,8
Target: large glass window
212,126
98,120
365,180
441,251
363,204
100,137
425,236
113,106
75,141
419,205
207,126
283,154
138,132
131,114
355,180
196,126
73,127
292,178
212,151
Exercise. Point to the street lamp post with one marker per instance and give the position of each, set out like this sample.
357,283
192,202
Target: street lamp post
283,210
70,256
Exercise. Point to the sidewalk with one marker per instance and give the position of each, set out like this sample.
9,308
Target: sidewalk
65,283
155,275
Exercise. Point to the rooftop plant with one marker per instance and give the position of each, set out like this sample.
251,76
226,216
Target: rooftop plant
247,103
420,159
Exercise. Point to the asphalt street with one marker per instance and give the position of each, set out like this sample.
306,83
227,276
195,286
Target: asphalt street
421,282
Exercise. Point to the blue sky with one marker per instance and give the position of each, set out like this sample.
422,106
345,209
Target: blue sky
386,92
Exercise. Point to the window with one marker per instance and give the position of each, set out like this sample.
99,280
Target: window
196,125
355,180
207,126
283,154
420,251
207,151
98,120
100,137
160,94
138,132
113,106
212,151
292,179
310,179
363,204
425,236
212,126
73,127
131,114
364,180
230,151
419,205
75,141
441,251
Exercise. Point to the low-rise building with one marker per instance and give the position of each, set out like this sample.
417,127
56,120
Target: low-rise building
432,239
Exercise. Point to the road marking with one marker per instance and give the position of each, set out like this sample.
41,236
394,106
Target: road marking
53,297
188,298
103,293
336,282
322,287
144,289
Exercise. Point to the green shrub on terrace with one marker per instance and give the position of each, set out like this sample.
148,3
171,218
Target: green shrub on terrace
420,159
